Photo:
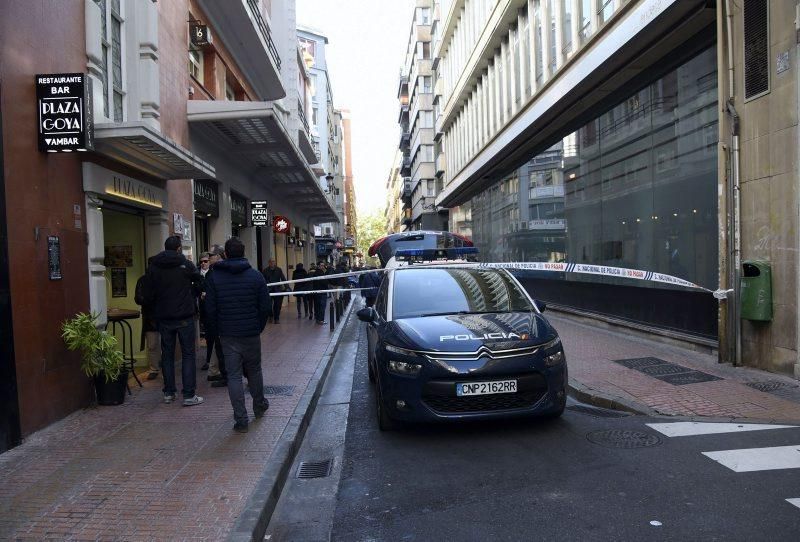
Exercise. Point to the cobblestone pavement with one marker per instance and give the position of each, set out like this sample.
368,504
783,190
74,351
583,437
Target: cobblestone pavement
151,471
616,365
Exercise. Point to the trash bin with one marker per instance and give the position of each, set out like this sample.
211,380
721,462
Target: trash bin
756,291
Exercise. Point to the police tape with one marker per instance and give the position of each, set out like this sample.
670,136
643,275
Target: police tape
553,267
308,292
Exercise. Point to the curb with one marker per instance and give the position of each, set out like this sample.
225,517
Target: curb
591,396
254,519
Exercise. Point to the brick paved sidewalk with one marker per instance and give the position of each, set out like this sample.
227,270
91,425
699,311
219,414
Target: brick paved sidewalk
735,392
150,471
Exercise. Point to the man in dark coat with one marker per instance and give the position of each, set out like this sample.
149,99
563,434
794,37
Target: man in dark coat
272,273
371,281
319,299
175,283
237,304
301,300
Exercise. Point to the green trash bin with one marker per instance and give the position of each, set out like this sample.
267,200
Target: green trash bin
756,291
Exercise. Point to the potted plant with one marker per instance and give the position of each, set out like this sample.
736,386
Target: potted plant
101,360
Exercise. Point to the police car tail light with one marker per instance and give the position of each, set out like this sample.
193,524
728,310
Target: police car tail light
551,358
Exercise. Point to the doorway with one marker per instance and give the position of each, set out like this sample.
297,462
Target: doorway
125,262
9,405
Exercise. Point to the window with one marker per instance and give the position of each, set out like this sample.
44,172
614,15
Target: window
457,290
230,95
423,16
431,187
426,153
426,119
309,47
111,43
196,63
427,84
424,50
756,48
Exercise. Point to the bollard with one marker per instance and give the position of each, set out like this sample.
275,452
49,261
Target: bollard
332,314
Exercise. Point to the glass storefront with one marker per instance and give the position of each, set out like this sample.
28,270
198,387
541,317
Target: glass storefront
635,187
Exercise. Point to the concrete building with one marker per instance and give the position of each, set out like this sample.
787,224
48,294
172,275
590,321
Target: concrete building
653,135
395,186
417,122
197,109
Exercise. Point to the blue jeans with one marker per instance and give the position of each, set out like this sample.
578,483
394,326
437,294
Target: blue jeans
243,355
183,330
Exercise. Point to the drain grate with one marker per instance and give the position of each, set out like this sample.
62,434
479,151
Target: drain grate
314,469
598,412
769,386
279,390
623,439
666,371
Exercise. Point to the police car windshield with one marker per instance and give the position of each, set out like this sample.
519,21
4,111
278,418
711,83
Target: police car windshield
433,292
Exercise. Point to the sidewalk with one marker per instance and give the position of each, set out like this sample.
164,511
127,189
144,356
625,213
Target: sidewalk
614,368
146,470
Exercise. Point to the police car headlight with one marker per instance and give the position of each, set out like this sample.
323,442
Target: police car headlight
403,368
401,351
551,359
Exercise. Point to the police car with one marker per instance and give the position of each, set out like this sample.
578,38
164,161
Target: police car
453,340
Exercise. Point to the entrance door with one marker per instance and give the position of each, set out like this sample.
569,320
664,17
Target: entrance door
125,262
9,406
202,235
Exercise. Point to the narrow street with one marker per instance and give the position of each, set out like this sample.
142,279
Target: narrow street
594,474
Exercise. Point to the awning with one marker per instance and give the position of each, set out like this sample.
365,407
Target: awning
141,147
254,136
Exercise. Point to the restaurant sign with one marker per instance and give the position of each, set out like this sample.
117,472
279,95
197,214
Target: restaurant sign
206,197
259,213
64,112
281,224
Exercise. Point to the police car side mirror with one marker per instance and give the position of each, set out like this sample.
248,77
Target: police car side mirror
366,314
541,304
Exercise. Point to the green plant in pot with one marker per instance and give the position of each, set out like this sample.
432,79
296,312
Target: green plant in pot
101,360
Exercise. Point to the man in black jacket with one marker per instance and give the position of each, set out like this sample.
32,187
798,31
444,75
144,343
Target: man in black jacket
237,305
272,273
175,282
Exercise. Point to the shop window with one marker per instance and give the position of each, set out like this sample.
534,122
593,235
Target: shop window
196,63
756,48
112,68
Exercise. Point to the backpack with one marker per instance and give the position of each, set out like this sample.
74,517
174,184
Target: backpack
145,293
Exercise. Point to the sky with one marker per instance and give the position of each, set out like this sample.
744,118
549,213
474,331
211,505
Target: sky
366,49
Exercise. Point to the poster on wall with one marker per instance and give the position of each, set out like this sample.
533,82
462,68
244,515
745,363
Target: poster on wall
177,223
54,257
119,256
119,282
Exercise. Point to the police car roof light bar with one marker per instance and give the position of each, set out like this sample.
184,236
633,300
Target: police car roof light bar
430,254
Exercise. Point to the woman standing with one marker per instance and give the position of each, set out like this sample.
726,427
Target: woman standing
300,299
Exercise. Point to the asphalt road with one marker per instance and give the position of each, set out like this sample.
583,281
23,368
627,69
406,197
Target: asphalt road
547,480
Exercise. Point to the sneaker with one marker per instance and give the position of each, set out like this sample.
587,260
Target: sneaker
219,384
191,401
169,397
240,427
152,376
204,367
259,412
214,378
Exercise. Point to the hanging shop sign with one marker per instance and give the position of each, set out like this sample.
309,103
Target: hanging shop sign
238,209
200,34
259,213
64,112
206,197
281,224
54,257
349,242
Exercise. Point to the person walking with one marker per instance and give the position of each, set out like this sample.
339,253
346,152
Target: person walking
238,306
312,272
301,299
320,298
217,374
272,273
150,339
175,284
371,281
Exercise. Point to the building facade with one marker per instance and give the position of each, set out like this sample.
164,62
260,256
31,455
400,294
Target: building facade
197,110
415,93
395,186
652,135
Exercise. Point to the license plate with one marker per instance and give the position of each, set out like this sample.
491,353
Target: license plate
486,388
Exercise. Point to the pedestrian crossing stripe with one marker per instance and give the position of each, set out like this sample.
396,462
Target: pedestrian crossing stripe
795,502
758,459
691,429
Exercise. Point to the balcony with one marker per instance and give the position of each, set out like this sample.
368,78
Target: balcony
246,35
440,161
405,139
540,192
405,167
304,139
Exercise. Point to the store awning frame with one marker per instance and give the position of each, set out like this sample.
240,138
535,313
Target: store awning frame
142,147
255,134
